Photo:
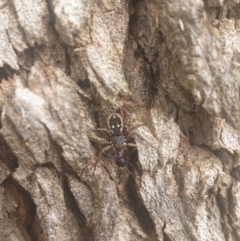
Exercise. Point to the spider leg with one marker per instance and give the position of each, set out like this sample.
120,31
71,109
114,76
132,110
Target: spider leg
104,130
134,127
121,111
94,138
106,148
132,130
131,145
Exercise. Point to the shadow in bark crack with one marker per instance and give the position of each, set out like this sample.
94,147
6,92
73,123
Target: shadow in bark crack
6,154
71,203
140,211
165,236
133,164
26,216
3,74
136,203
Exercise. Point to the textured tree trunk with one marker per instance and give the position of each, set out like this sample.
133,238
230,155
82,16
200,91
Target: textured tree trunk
171,68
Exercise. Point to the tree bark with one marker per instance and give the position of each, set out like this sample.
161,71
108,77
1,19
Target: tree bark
169,67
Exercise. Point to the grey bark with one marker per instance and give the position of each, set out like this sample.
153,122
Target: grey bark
171,67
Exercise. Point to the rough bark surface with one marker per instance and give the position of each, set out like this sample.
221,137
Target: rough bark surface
172,68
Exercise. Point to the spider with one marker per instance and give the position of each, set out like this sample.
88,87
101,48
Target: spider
118,136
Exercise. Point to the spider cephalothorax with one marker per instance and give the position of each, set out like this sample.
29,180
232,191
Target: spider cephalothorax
115,124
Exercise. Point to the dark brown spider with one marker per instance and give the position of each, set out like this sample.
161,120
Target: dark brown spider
118,137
